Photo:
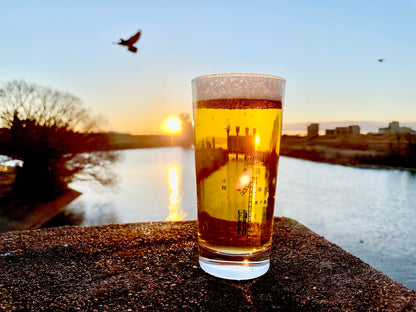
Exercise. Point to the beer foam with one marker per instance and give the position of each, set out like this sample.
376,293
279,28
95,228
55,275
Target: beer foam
238,86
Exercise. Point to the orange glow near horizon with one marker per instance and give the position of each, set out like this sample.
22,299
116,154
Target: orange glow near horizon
152,124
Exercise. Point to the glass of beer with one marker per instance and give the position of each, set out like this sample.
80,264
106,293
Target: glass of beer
237,127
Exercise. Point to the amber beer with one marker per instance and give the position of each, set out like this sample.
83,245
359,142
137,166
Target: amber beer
237,126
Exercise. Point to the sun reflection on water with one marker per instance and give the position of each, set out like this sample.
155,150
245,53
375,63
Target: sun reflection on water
175,214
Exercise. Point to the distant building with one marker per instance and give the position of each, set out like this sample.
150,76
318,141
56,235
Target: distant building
241,143
394,128
354,129
341,131
187,137
330,132
350,130
313,130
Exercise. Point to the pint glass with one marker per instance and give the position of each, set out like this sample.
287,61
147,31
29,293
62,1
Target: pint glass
237,126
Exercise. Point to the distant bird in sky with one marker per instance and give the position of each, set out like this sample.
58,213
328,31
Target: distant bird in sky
130,42
381,60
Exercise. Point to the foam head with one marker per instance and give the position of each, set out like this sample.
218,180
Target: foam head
238,86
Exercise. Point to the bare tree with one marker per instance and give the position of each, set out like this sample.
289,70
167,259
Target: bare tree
56,138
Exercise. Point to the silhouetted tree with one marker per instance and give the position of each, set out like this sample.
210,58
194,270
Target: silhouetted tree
54,136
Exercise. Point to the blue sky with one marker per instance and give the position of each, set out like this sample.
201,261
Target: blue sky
326,50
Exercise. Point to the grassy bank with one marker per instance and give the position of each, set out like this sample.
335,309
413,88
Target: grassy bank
372,150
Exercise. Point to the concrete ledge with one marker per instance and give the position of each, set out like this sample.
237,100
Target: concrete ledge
154,267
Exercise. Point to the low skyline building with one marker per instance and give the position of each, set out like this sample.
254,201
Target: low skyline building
313,130
394,128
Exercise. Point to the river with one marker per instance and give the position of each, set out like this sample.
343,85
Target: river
370,213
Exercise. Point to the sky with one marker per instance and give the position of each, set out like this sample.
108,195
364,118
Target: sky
326,50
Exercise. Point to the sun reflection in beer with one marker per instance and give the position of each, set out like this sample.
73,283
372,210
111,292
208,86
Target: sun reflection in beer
244,179
175,214
257,143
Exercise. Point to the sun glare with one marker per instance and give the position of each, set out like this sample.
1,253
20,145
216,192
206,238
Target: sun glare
173,125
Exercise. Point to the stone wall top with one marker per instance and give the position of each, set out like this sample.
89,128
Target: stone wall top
154,266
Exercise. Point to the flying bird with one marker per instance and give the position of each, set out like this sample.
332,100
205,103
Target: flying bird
130,42
381,60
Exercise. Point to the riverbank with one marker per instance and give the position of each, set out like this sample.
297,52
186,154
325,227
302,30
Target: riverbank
16,214
363,150
121,141
7,177
369,151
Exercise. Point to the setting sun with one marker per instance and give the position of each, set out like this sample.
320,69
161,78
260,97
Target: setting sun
173,125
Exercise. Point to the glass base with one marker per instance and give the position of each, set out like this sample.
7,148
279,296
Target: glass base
234,270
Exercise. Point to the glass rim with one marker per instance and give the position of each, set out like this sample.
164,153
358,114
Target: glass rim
240,75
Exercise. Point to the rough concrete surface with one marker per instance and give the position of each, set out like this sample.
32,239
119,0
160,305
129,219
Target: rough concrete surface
154,267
